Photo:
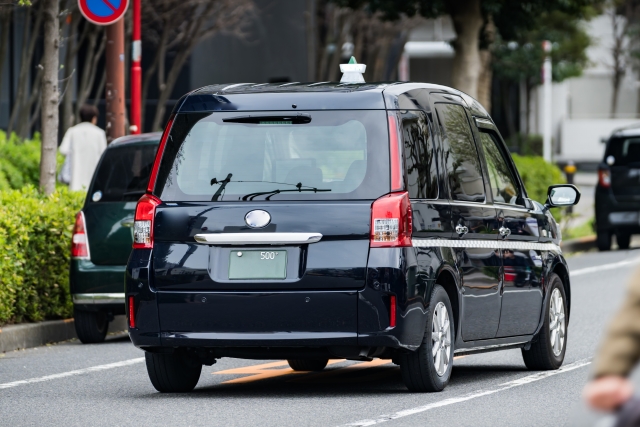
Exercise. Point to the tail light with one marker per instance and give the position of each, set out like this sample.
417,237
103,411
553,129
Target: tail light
79,241
392,311
156,163
143,222
391,223
132,312
604,178
394,153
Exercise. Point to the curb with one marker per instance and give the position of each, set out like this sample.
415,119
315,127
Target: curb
27,335
579,245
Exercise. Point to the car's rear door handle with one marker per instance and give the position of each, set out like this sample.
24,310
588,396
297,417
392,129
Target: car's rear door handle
127,222
258,238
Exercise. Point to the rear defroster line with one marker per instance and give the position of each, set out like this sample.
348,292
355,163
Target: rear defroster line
480,393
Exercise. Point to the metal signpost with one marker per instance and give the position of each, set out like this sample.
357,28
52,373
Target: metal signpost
109,13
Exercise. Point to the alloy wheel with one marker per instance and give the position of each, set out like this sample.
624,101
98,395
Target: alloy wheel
441,339
557,326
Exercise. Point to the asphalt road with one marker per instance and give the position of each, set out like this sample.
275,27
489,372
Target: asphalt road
71,384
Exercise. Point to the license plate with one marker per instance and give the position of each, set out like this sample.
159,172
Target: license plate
248,265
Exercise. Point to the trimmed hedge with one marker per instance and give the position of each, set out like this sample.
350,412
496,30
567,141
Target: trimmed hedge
20,161
35,237
538,175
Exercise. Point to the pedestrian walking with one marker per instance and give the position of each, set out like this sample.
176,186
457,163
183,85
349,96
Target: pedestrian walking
82,147
619,353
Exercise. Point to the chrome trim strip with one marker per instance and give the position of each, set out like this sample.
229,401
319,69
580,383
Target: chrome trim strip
486,244
258,238
112,298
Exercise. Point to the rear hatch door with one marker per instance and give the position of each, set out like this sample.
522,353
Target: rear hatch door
120,179
625,170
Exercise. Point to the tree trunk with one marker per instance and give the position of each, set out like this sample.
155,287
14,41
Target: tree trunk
5,19
167,88
505,89
49,92
486,70
467,21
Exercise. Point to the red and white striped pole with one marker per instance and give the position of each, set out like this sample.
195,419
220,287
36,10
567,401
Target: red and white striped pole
136,71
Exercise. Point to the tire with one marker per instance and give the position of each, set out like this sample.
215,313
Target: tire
418,368
172,373
543,355
603,241
307,364
91,326
623,240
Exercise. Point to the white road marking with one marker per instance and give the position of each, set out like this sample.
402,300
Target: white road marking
73,373
598,268
446,402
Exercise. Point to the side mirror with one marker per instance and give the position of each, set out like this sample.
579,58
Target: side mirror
562,195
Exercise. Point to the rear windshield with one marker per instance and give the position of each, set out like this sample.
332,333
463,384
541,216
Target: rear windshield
624,150
242,156
123,173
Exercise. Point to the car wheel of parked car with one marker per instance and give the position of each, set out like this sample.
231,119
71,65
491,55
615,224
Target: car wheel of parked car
307,364
429,367
548,351
623,240
603,240
91,326
172,373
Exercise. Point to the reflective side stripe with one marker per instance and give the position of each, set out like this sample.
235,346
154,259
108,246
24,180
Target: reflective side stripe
486,244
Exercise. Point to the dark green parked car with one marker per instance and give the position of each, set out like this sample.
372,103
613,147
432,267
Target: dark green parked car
102,236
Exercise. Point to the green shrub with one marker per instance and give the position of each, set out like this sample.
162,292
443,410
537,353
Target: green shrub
35,236
538,175
20,161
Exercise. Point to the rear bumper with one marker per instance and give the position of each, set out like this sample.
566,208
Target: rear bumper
345,323
612,215
86,277
99,299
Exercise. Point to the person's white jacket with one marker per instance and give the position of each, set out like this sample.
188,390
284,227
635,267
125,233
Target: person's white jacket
83,144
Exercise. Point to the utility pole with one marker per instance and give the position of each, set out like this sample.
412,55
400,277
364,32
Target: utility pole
136,71
547,116
115,95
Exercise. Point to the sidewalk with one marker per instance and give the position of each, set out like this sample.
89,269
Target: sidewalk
27,335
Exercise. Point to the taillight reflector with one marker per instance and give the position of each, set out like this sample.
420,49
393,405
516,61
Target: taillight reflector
391,222
79,241
132,312
143,222
604,178
392,311
156,163
394,153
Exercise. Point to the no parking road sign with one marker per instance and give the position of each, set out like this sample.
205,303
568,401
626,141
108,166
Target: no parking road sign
103,12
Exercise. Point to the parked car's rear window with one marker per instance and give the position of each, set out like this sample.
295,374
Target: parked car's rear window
624,150
258,156
123,173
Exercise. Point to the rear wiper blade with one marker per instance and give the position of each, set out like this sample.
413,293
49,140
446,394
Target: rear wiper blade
297,119
223,184
271,193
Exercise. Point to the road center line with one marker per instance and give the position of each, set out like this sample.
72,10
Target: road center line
73,373
480,393
598,268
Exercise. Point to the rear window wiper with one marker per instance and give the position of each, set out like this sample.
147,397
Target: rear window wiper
223,184
271,193
297,119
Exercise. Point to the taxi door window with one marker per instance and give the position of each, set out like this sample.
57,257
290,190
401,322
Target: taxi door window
419,158
460,155
504,187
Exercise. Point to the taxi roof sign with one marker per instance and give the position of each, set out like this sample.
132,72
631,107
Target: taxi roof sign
103,12
352,72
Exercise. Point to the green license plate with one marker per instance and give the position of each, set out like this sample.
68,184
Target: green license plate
247,265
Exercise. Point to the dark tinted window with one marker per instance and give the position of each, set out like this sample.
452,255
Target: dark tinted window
624,150
420,162
504,187
460,154
329,155
123,173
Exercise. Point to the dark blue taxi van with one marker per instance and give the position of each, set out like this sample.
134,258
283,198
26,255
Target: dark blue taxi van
311,222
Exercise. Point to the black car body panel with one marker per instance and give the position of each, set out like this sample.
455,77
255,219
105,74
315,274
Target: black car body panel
337,295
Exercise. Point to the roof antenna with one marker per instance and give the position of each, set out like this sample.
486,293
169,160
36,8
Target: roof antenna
352,72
